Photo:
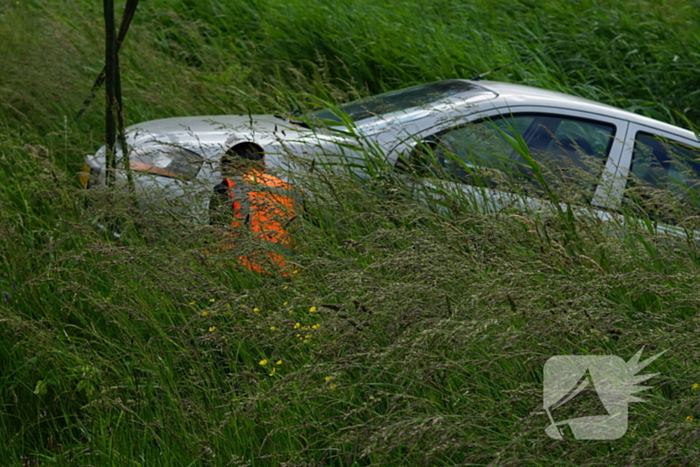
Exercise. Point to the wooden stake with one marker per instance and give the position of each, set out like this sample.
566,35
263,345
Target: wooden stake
129,11
110,75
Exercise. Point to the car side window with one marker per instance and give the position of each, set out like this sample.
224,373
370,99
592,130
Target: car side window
571,153
664,178
463,151
566,149
579,140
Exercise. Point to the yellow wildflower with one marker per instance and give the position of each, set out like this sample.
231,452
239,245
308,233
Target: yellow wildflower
278,362
272,328
296,271
285,287
328,378
689,418
695,386
333,387
308,336
312,309
212,329
204,313
191,303
297,325
256,309
272,373
315,326
285,304
212,300
305,341
263,362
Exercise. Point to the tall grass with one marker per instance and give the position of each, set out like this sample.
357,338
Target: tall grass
414,333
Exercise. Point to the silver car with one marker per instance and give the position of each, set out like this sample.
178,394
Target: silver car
459,133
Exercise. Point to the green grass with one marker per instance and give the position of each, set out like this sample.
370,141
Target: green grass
429,332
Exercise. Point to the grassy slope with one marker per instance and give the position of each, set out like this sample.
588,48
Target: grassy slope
429,334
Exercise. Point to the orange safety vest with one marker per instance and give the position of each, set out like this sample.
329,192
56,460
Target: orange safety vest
264,204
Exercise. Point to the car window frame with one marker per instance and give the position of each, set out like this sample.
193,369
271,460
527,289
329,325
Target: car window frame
608,191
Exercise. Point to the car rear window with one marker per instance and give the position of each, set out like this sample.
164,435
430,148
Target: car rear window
665,177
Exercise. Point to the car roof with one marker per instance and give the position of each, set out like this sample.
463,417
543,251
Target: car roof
526,95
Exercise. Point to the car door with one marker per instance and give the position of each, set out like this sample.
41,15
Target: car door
531,150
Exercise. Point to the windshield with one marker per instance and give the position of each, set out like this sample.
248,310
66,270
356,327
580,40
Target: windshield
396,101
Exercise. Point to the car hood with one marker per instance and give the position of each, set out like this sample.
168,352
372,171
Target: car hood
204,130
